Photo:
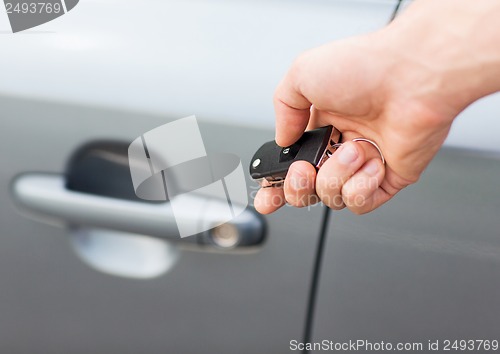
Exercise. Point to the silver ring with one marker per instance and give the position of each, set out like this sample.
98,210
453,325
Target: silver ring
374,144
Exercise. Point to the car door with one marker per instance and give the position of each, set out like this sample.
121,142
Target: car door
111,72
422,271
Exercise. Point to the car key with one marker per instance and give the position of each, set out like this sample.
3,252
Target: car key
271,162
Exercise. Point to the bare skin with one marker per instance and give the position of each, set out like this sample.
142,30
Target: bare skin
401,87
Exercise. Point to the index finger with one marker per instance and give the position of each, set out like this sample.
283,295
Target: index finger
291,107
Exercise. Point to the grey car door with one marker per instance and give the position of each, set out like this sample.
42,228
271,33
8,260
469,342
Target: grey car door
130,71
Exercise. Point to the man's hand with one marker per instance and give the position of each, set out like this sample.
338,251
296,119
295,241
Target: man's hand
400,87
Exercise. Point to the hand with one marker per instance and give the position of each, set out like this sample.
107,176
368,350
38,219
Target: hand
396,87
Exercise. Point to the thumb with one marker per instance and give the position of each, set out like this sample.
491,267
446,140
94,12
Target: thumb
291,107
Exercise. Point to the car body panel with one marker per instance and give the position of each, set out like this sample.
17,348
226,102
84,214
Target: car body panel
52,302
423,267
218,59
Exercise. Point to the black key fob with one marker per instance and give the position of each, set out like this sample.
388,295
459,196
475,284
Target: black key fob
270,163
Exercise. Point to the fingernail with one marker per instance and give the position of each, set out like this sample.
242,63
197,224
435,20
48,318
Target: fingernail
347,154
297,180
371,168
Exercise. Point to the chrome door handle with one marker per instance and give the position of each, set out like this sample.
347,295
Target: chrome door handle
45,198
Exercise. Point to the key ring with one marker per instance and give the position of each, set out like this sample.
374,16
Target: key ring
374,144
366,141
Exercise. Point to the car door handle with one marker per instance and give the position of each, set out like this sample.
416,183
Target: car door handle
45,197
97,192
116,232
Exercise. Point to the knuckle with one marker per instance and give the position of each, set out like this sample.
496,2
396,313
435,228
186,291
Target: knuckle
351,199
292,199
358,204
277,96
300,199
355,201
333,201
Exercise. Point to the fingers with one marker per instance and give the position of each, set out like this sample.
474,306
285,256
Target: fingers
361,193
298,190
300,184
348,178
291,107
268,200
336,171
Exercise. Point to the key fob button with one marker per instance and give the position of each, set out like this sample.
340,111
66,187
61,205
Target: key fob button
289,153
